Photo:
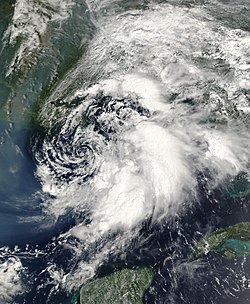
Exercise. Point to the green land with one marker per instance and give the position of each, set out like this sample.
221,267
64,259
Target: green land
231,242
121,287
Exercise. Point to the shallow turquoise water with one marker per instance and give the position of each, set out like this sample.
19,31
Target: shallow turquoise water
103,103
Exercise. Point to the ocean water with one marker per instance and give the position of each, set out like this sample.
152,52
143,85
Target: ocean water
123,127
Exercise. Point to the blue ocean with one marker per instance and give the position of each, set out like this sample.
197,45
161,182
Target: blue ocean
125,142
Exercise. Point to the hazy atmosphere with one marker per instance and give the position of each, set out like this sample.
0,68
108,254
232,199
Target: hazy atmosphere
125,151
